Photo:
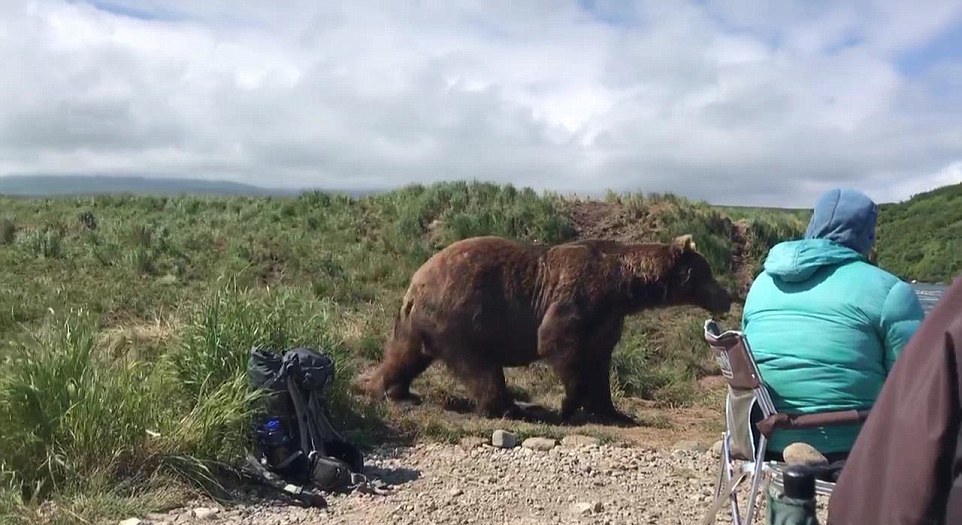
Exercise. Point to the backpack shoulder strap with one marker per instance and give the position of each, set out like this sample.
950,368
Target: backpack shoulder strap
310,441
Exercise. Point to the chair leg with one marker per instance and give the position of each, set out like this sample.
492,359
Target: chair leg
729,474
756,478
725,488
722,468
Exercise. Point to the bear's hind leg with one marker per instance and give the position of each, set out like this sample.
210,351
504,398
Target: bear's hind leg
485,383
490,391
404,361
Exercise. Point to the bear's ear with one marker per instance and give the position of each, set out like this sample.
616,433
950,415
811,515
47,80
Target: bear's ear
684,243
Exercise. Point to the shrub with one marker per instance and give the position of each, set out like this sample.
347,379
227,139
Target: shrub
46,243
217,340
8,231
70,414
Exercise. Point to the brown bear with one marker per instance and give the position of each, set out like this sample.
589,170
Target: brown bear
485,303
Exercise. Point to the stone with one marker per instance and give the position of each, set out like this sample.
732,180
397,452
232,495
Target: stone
471,442
716,448
539,443
803,454
504,439
585,508
133,521
204,513
688,445
578,440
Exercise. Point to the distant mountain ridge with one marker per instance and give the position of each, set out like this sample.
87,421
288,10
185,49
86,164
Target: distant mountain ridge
67,185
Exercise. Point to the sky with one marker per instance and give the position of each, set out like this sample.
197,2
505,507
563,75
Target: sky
732,101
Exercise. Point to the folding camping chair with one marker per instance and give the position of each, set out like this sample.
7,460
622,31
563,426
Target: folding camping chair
750,421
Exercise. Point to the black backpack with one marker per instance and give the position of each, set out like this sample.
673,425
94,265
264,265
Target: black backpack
295,442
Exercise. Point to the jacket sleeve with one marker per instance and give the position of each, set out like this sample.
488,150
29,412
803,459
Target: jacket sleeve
901,315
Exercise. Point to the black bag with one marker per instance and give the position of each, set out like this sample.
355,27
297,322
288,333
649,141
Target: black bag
292,428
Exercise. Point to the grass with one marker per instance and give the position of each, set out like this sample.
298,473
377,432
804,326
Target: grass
922,238
126,322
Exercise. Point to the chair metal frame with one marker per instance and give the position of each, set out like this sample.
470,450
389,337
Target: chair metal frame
735,358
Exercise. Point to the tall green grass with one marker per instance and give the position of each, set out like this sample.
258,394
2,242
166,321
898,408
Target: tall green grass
71,413
79,420
660,357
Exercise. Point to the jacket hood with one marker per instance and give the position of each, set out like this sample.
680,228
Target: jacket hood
847,217
796,261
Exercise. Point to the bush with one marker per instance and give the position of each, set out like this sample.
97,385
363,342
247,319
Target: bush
71,414
8,231
46,243
215,345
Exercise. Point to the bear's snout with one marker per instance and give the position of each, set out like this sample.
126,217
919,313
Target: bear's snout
717,300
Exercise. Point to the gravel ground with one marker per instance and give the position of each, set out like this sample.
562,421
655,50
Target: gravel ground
574,481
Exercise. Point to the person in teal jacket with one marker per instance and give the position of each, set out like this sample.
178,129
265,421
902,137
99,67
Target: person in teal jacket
825,324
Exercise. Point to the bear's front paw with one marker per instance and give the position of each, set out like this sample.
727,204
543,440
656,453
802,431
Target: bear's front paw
614,417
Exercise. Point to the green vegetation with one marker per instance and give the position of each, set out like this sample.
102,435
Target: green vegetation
125,323
922,238
918,239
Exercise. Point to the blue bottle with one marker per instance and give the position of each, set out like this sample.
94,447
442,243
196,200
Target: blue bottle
274,441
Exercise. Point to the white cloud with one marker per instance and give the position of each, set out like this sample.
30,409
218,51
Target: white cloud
732,101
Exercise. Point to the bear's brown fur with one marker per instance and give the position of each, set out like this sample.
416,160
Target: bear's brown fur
485,303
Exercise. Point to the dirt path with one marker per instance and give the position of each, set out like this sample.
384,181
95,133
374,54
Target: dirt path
572,482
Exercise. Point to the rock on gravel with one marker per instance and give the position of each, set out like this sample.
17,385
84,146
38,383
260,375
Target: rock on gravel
504,439
587,508
539,443
688,445
716,449
204,513
578,440
803,454
470,442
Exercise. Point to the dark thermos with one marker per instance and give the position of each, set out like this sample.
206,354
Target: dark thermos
799,482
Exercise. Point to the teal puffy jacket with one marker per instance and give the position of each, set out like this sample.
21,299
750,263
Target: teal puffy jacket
826,327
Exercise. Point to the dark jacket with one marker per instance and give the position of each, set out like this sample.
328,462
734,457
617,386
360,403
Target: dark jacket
905,461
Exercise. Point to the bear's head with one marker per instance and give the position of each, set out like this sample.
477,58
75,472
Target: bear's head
677,274
691,281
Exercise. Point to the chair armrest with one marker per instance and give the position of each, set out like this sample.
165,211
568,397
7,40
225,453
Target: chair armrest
783,421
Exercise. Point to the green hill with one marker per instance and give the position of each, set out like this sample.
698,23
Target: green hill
123,314
918,239
921,238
